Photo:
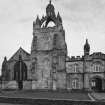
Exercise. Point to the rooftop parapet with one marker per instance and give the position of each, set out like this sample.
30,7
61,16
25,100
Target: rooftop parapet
98,55
75,58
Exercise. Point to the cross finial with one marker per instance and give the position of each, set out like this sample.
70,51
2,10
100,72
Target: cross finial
86,40
50,1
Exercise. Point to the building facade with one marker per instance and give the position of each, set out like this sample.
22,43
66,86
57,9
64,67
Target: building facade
48,66
86,72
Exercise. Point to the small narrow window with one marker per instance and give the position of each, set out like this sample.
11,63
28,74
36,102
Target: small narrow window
76,68
34,65
75,84
55,40
34,42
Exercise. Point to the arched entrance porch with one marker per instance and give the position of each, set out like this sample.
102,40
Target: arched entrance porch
96,84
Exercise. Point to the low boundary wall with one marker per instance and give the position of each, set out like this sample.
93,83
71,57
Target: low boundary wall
47,101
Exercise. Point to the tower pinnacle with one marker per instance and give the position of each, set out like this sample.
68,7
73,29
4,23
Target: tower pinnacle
86,48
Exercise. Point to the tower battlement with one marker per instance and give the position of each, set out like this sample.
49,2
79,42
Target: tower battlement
75,58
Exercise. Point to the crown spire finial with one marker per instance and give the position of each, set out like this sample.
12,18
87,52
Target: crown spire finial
50,1
86,40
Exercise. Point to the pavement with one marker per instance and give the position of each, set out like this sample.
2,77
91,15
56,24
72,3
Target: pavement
98,96
31,94
46,95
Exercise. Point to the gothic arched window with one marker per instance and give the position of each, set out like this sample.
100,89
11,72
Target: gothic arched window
97,67
20,71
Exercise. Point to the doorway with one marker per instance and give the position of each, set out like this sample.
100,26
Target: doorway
96,84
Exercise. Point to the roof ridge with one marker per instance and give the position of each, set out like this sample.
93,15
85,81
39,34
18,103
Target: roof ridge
17,52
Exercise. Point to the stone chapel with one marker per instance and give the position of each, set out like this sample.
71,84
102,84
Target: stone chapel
47,66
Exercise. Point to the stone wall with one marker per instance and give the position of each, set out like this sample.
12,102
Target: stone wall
27,85
9,85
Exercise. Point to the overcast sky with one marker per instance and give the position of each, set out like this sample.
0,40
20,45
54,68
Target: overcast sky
81,19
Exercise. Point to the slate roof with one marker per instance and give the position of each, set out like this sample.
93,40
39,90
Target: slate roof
25,55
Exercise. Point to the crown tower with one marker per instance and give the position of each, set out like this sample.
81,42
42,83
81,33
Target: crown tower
49,51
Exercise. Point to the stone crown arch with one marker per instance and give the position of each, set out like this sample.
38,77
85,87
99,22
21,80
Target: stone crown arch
45,21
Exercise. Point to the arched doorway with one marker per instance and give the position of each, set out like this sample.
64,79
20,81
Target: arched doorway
20,72
96,84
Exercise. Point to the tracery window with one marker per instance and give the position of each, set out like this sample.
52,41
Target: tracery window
20,71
